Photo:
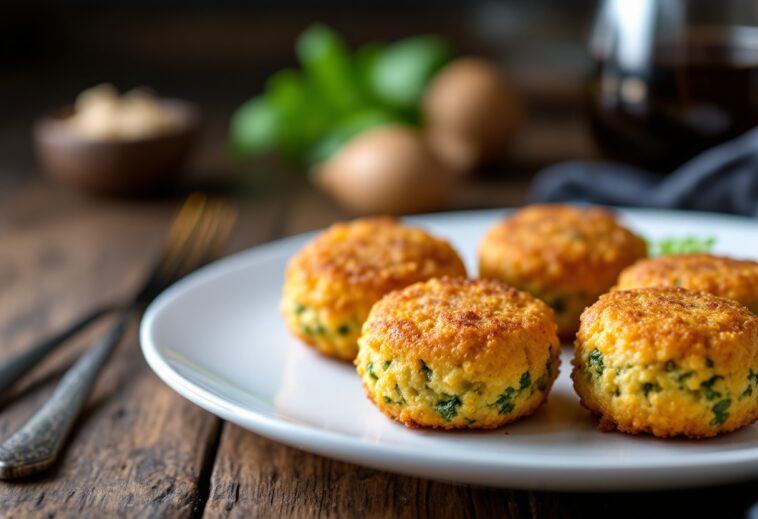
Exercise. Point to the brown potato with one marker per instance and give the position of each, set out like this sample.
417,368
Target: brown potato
471,113
388,170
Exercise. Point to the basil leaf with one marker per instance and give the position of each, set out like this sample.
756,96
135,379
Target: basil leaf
254,127
402,71
328,66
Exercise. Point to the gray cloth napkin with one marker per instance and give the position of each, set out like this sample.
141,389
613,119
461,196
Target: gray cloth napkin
723,179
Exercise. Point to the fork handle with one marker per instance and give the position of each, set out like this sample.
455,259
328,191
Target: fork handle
36,445
14,368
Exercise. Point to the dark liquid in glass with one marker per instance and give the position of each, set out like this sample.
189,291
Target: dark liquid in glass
690,97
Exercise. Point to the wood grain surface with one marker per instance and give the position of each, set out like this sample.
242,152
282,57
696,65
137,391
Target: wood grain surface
142,451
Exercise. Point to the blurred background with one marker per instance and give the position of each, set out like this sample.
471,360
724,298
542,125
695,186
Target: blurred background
649,83
219,54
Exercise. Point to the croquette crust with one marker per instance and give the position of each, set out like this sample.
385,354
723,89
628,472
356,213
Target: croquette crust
332,282
560,253
489,346
669,362
563,248
717,275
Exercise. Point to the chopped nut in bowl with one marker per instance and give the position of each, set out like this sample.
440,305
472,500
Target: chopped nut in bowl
117,145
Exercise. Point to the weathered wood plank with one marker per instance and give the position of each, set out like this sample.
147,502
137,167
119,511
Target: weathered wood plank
254,477
140,449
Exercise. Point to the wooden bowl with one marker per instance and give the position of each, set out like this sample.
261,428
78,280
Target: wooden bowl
115,167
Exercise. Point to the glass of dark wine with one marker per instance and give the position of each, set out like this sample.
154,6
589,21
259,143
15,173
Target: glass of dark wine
672,78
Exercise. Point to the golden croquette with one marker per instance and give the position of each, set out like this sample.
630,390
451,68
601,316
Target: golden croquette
458,353
332,282
720,276
567,256
669,362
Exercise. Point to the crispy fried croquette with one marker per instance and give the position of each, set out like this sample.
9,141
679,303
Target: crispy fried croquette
331,284
669,362
567,256
720,276
457,353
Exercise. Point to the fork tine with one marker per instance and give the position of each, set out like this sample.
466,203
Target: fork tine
204,240
199,229
210,238
226,216
198,245
189,217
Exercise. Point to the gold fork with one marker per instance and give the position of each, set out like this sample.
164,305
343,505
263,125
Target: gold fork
197,235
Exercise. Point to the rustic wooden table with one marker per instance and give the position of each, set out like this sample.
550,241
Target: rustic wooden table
141,450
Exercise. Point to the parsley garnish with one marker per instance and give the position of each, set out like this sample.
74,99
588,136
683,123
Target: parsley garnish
720,413
596,361
504,403
344,329
707,387
448,408
426,371
673,246
649,387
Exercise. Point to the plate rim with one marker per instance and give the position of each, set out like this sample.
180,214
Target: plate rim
314,439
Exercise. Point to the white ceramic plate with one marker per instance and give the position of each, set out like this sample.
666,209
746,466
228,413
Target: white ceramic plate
217,339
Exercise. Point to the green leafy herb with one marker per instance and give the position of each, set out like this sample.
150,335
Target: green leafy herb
752,378
370,370
708,362
707,387
401,399
328,66
649,387
302,117
720,413
670,366
387,400
348,127
401,72
343,329
306,115
504,402
525,381
387,364
684,376
299,309
255,127
687,245
364,61
596,362
426,371
448,408
543,380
